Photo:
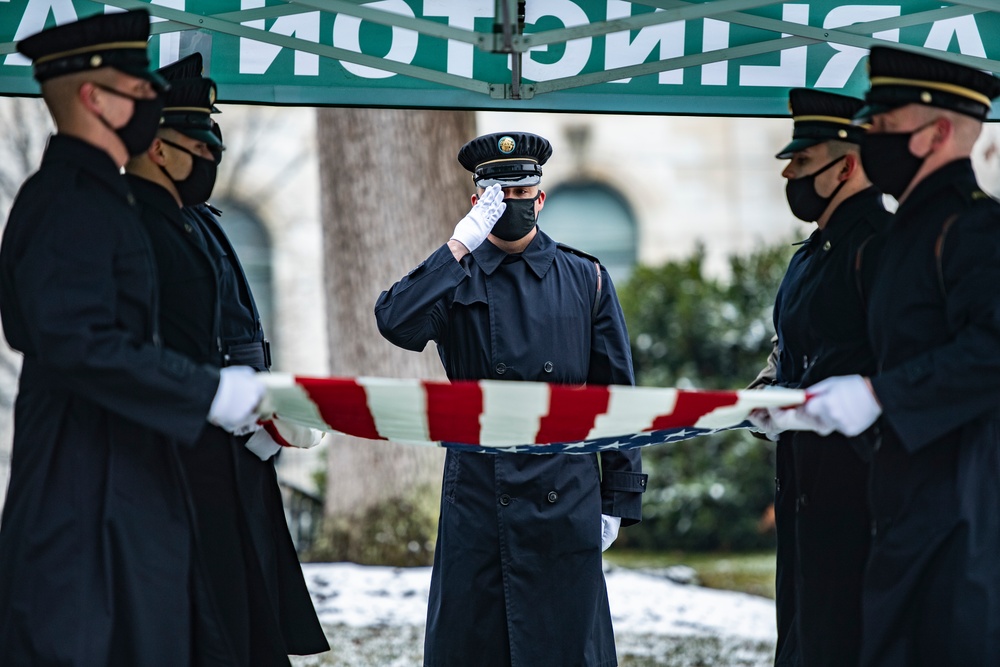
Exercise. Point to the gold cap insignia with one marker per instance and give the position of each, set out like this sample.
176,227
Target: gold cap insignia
506,145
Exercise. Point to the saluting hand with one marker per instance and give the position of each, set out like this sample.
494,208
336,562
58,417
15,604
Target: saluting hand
473,229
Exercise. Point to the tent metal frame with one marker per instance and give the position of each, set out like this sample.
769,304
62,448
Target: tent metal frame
507,38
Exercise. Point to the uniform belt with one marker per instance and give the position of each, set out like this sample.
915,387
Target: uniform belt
256,354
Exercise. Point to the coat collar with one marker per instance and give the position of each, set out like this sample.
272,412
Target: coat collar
156,197
85,157
538,255
849,215
957,174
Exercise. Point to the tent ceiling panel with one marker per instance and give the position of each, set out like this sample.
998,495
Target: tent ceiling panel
718,57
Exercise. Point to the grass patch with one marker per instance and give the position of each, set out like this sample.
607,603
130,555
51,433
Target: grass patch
745,572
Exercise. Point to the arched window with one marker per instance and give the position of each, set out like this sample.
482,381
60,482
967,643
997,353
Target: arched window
253,247
594,218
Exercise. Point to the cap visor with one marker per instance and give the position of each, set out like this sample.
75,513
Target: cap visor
864,115
533,179
796,145
199,135
158,81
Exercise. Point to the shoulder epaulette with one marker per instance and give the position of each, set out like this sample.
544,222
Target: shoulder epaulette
579,253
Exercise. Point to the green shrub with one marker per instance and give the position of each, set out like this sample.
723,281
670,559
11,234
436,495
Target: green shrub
398,532
690,330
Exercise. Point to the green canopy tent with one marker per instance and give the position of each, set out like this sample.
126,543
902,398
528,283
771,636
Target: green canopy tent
719,57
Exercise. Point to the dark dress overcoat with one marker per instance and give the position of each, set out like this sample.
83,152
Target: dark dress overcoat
254,581
517,578
96,543
821,499
932,589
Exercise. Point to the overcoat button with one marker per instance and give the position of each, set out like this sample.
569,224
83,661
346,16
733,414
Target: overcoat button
548,366
505,500
553,496
803,500
501,368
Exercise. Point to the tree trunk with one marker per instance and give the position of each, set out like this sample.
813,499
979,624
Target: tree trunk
392,191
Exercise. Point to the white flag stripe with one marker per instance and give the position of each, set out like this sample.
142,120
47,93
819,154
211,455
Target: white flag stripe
632,409
290,401
398,407
512,411
748,401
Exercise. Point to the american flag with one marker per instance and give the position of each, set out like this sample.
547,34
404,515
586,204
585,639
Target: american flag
532,417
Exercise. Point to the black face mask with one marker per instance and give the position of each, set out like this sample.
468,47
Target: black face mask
197,187
806,204
888,162
140,130
517,219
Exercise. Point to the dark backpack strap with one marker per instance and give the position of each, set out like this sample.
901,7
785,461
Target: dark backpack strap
939,251
597,294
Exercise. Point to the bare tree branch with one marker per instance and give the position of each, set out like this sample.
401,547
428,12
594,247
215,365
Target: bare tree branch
250,140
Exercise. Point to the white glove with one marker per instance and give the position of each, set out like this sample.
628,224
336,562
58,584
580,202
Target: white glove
846,404
609,530
263,445
473,229
276,433
235,404
762,422
293,435
772,422
247,429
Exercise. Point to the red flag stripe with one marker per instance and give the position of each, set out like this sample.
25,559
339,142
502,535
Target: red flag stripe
453,411
343,405
572,411
692,405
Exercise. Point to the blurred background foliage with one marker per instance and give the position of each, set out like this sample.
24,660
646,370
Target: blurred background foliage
692,330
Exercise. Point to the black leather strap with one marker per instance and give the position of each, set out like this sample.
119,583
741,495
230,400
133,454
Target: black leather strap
257,355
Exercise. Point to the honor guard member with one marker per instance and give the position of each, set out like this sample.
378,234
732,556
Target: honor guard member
251,572
98,541
242,332
517,576
821,495
932,587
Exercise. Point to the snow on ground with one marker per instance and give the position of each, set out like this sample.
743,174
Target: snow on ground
362,595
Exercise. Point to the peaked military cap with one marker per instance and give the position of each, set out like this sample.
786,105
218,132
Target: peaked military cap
187,108
508,158
104,40
219,147
818,116
901,77
188,67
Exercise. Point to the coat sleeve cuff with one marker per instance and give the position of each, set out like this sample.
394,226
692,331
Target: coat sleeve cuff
621,495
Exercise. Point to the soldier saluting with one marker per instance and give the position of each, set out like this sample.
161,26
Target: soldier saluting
517,576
